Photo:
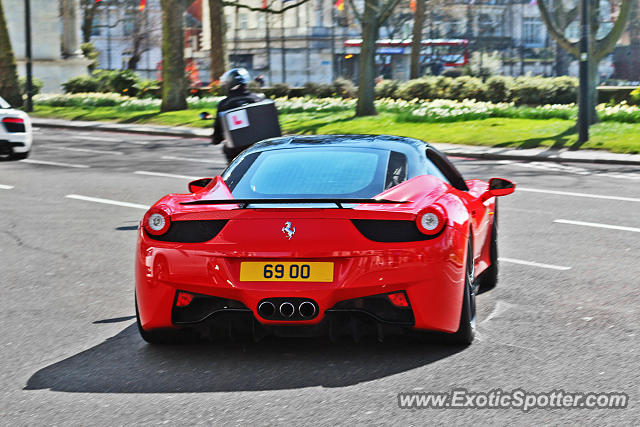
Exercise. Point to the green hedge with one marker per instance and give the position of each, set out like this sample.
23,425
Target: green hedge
635,96
36,86
617,94
522,91
124,82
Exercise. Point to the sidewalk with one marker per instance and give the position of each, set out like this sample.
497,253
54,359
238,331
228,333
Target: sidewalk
479,152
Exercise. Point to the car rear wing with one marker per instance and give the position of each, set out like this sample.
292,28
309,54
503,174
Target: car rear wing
244,203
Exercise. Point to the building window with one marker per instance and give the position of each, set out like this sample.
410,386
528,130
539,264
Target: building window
532,31
243,61
129,23
244,21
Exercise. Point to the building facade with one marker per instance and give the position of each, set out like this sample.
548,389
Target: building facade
55,37
121,32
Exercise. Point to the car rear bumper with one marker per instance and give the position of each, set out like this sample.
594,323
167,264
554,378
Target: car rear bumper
15,143
430,273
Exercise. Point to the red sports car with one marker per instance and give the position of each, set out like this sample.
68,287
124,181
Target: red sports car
308,235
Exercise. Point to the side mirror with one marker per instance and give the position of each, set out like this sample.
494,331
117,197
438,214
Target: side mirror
205,116
498,187
199,184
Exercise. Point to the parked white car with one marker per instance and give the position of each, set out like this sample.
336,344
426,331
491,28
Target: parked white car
16,134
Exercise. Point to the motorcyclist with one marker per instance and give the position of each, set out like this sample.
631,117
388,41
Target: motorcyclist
236,81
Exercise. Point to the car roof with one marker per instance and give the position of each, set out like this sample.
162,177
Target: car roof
408,146
3,103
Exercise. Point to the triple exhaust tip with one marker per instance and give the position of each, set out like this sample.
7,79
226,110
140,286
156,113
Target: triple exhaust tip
306,309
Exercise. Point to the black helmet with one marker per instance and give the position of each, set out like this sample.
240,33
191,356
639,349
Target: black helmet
235,77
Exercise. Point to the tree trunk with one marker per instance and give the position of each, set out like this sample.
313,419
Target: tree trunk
416,41
173,76
563,59
89,8
594,81
634,45
9,87
218,54
366,79
132,64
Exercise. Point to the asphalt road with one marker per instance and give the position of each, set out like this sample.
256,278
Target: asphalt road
564,315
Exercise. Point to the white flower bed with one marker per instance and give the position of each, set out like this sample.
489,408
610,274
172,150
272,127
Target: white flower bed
414,110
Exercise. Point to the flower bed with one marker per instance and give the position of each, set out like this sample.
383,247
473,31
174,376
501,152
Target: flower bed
416,110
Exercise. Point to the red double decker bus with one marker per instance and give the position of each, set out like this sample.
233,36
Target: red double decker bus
392,54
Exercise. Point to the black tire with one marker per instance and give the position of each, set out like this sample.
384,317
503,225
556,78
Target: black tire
161,336
488,279
466,330
19,156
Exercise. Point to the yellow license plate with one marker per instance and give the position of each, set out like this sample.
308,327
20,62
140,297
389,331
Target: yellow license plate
276,271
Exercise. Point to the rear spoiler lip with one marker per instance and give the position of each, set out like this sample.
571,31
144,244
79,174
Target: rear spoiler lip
243,203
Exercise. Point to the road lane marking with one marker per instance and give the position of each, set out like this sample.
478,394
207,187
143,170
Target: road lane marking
557,167
534,264
6,187
107,201
99,138
168,175
65,165
568,193
598,225
500,308
82,150
107,139
191,159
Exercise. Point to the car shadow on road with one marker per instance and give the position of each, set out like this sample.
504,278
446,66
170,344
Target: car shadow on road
125,364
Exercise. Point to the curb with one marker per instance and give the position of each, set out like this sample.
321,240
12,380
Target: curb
120,128
534,158
472,152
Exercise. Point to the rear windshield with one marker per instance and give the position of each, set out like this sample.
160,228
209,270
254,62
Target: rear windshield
339,172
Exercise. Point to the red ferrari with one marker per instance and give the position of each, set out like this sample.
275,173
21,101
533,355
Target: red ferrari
307,235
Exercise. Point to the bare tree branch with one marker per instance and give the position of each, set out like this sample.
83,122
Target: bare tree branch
265,10
357,14
572,14
606,45
571,47
386,10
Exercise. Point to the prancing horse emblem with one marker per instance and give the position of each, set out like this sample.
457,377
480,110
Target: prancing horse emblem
288,230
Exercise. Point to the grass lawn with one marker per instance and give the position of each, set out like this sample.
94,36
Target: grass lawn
497,132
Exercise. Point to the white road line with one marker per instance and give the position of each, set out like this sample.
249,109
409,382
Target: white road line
43,162
168,175
567,193
6,187
82,150
99,138
501,307
107,201
107,139
191,159
558,167
548,166
534,264
598,225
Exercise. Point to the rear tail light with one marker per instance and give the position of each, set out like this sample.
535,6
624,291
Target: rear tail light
431,220
12,120
399,299
14,124
157,221
183,299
